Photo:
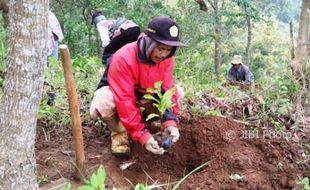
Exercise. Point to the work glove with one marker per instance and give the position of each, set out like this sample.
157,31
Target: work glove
174,131
152,146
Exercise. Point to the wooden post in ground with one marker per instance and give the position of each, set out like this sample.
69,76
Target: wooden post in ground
74,111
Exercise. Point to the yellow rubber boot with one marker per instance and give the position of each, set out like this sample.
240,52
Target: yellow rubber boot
119,138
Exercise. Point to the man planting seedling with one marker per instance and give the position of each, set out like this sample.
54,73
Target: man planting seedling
154,106
132,70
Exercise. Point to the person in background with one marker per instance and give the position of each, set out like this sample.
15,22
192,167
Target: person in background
55,35
239,72
134,68
114,34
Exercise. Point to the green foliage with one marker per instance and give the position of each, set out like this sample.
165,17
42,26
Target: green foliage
276,125
3,51
41,179
96,181
86,77
161,101
140,186
214,113
305,184
278,94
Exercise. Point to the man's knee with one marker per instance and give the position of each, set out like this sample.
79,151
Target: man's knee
103,103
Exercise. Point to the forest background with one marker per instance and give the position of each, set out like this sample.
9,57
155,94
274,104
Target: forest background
258,30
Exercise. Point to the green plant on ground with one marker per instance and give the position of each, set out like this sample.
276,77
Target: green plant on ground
140,186
190,173
96,181
305,184
161,101
214,113
277,125
85,71
42,179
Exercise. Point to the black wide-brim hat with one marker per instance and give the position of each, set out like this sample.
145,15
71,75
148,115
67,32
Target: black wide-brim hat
164,30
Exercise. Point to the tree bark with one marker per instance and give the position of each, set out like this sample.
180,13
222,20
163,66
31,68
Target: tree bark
217,31
292,46
302,51
298,65
23,85
249,41
217,43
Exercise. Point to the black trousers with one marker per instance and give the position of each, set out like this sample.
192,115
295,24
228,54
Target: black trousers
126,36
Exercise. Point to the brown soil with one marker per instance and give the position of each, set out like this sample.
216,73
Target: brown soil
265,162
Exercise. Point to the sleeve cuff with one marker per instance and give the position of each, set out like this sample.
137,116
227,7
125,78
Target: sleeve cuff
169,123
144,138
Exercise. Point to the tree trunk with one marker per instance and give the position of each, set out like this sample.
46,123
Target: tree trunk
217,30
248,45
302,51
217,44
27,58
298,65
292,46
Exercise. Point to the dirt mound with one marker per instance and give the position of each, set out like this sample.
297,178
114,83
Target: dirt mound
262,161
263,158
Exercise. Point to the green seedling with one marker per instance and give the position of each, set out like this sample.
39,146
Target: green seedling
140,186
161,101
96,181
305,184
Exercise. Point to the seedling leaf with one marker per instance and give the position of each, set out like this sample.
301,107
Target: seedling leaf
151,116
93,181
150,97
85,187
101,175
140,186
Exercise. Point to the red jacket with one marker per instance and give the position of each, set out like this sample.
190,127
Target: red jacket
126,75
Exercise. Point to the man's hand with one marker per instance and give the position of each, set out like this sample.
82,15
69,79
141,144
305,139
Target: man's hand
152,146
233,82
174,131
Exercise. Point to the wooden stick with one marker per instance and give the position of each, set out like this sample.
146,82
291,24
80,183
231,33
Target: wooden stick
74,111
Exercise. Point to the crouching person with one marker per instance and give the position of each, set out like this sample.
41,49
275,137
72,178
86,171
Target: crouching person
132,69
